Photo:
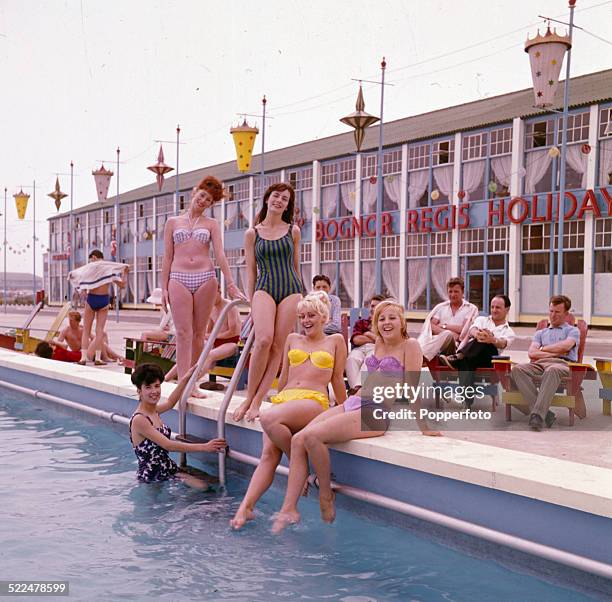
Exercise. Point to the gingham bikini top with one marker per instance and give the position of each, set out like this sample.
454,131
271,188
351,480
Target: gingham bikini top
182,235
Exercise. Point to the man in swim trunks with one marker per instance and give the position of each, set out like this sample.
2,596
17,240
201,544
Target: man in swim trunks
67,346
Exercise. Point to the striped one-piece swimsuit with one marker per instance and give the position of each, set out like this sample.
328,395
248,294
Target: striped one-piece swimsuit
275,269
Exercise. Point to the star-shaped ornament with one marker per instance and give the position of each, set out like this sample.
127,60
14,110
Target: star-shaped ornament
539,94
553,62
538,54
538,73
551,82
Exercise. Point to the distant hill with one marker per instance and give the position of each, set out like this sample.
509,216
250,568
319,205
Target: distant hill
18,281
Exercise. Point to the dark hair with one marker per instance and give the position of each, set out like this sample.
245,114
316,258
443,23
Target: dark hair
505,299
287,213
43,349
213,186
456,281
321,277
147,374
96,253
559,299
377,298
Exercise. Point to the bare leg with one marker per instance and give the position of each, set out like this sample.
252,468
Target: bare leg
181,305
263,313
98,342
260,482
172,374
219,353
193,482
285,321
88,317
160,336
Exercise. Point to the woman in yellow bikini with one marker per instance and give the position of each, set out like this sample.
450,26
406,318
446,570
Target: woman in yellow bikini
311,361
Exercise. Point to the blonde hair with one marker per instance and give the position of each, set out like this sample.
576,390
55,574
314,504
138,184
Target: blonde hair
316,301
74,314
386,304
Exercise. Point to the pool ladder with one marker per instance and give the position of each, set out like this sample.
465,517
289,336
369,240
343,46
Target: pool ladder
229,392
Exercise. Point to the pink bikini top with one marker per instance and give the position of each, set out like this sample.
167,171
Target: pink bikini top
385,364
182,235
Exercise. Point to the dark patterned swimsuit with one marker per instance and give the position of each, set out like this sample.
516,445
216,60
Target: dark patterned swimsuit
154,463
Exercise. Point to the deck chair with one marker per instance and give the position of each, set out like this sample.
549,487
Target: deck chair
26,343
139,351
604,369
569,395
8,339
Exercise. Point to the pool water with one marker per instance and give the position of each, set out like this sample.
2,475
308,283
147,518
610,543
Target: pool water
72,510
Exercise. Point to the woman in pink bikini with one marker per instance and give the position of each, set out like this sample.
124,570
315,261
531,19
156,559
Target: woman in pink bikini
189,283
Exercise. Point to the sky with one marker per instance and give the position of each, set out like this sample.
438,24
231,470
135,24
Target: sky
83,77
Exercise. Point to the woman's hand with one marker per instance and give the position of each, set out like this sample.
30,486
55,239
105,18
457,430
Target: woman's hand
166,300
234,292
213,446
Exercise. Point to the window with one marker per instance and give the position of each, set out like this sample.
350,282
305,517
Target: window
392,162
368,248
306,252
301,180
347,170
416,245
444,152
536,237
329,174
603,233
475,146
418,156
577,127
390,247
497,239
605,122
539,133
346,250
441,243
368,166
268,181
328,250
181,203
501,141
471,242
238,191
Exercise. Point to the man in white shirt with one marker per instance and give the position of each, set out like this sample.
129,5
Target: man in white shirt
446,325
487,336
322,283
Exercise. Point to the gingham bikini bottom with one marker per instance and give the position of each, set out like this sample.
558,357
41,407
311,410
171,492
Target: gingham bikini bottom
192,281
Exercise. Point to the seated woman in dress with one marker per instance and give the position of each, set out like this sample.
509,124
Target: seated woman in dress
394,352
311,361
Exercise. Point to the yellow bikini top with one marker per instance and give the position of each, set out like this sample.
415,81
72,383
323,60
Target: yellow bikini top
320,359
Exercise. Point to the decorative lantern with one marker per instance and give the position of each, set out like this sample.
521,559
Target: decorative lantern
546,57
435,195
461,194
492,186
21,202
160,168
359,120
102,178
553,152
244,141
57,195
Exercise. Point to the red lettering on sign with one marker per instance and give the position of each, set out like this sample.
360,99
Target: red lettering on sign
534,210
549,206
356,226
387,223
425,219
331,229
370,222
524,208
463,214
345,232
589,203
573,204
607,198
496,210
412,217
444,224
319,230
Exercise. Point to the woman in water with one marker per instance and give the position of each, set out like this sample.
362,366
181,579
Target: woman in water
274,288
394,353
311,361
150,437
189,283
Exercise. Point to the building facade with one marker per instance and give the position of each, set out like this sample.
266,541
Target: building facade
470,190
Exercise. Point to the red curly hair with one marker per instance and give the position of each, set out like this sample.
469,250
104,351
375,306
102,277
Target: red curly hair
213,186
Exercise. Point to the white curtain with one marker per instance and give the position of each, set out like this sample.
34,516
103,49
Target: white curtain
368,192
231,211
390,273
347,191
329,269
502,168
443,177
472,178
417,279
417,185
393,187
577,160
307,201
306,269
440,274
347,275
368,280
536,164
149,282
328,201
605,162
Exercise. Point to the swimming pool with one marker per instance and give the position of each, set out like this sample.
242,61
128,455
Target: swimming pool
73,510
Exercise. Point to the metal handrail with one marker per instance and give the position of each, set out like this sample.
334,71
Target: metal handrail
231,387
196,373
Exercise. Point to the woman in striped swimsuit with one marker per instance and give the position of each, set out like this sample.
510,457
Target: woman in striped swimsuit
189,284
274,288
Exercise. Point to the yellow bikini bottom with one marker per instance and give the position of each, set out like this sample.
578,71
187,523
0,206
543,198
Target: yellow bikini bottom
293,394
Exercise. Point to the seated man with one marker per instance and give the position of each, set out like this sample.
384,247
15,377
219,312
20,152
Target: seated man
166,325
447,323
362,341
487,336
225,345
551,350
322,283
67,346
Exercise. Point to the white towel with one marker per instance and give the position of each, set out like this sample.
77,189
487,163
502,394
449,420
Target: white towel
95,274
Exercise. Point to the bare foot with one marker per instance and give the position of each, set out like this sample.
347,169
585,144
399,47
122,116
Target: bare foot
283,519
241,410
197,393
100,363
328,508
241,517
252,413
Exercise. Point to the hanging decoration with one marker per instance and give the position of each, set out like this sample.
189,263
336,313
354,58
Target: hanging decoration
435,195
492,186
244,141
57,195
461,194
586,149
102,178
522,172
21,202
553,152
160,169
372,179
359,120
546,57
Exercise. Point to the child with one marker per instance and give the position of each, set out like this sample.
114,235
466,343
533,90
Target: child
150,437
